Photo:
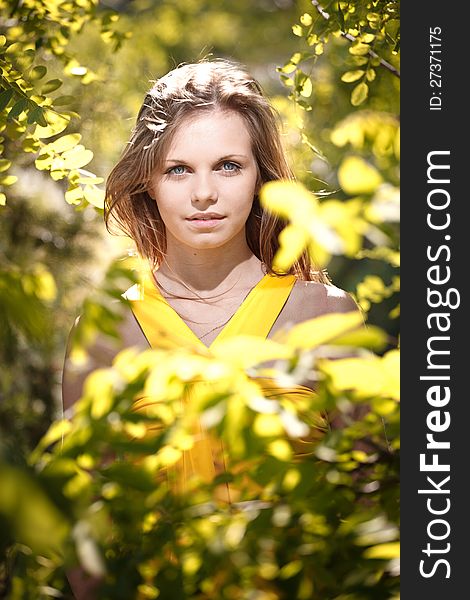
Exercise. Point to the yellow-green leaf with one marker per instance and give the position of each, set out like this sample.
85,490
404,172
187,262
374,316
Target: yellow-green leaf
38,72
66,142
356,176
359,94
268,425
306,90
74,195
383,551
293,240
306,19
288,199
323,329
94,196
366,377
351,76
77,157
359,49
246,351
4,164
51,86
367,38
8,179
280,449
56,124
61,100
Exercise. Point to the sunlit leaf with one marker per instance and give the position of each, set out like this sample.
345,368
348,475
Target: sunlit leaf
77,157
359,49
323,329
280,449
268,425
56,124
74,195
359,94
245,351
351,76
94,196
306,89
358,177
383,551
292,241
66,142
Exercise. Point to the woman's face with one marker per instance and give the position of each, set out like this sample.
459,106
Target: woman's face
205,189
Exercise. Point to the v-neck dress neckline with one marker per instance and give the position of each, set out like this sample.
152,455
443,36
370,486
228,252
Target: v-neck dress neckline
163,326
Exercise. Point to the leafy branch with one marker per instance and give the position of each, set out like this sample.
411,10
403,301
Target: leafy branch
353,38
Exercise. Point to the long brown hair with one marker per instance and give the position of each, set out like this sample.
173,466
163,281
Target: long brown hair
201,86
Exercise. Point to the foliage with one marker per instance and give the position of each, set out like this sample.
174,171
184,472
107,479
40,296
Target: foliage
321,519
29,114
320,524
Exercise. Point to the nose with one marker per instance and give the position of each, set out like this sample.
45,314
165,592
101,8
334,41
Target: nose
204,190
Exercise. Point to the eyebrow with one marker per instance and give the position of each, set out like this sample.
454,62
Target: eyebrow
227,156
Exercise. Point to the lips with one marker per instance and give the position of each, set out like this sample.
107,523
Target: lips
205,221
205,217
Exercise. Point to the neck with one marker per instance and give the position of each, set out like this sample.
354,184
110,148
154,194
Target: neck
209,269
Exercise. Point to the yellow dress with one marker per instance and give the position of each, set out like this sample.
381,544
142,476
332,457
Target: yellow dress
164,328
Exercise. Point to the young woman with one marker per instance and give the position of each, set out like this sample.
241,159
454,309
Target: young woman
186,191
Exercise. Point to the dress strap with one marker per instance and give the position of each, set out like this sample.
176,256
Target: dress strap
164,328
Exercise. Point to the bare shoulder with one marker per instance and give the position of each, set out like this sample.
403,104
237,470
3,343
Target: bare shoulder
310,299
319,298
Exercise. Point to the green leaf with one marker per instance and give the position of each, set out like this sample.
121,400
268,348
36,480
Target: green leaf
37,116
5,98
3,199
51,86
359,49
61,100
17,109
351,76
4,164
359,94
38,72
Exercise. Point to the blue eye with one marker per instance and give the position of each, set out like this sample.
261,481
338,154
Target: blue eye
230,166
178,170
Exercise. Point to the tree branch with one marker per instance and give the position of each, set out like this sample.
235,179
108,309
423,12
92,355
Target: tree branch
352,38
